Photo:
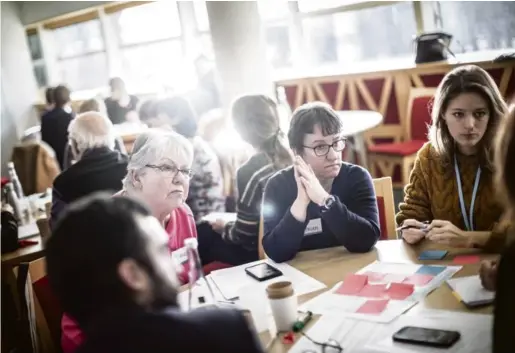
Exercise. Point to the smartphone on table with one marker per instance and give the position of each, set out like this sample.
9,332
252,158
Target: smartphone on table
427,336
263,272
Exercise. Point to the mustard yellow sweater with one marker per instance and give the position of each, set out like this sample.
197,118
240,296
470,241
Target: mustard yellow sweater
432,193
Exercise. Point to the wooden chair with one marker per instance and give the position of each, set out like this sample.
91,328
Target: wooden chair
39,308
383,158
261,234
386,206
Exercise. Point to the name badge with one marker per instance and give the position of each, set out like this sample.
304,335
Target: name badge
180,256
314,227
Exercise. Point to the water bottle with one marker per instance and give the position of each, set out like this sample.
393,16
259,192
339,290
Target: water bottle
200,292
13,176
14,201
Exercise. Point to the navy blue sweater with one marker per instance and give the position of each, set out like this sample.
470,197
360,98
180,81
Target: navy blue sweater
352,221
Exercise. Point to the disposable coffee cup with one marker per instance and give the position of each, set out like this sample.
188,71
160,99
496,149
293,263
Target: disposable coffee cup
283,303
48,209
44,228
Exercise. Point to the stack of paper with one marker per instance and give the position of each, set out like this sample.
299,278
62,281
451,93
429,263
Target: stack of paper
470,291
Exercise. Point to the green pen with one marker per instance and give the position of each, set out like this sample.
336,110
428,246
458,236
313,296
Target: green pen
302,320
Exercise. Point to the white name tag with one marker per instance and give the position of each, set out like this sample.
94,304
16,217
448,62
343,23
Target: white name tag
314,227
180,256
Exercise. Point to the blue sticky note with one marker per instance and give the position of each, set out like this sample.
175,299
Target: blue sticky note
432,255
430,270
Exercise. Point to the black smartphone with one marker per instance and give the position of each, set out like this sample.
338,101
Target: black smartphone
427,336
263,272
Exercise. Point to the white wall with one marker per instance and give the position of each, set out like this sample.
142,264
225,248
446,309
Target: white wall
19,89
35,11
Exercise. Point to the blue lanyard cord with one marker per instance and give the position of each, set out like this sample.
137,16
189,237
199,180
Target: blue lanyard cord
467,218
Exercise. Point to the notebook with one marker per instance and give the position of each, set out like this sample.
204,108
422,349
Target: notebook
470,291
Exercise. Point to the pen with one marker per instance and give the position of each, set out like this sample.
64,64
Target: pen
410,226
301,322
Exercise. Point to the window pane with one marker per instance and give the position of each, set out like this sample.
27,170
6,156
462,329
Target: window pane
147,23
201,16
41,75
202,45
310,5
352,36
479,25
159,65
273,9
35,46
85,72
77,39
278,48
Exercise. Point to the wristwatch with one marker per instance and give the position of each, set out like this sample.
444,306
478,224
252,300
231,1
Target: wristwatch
328,202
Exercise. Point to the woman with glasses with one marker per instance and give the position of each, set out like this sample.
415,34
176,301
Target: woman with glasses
158,175
320,202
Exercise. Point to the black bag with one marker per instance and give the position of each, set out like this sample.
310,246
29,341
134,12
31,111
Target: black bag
432,47
9,235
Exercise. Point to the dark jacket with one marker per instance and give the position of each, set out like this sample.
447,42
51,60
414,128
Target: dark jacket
99,169
116,113
352,221
200,331
54,131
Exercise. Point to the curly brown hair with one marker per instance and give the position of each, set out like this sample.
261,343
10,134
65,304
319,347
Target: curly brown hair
504,152
466,79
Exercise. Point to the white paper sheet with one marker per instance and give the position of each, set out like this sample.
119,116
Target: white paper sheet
470,290
225,216
371,337
331,304
230,280
28,230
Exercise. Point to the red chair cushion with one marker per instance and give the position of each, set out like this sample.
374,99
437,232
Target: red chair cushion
420,117
398,149
213,266
382,218
50,306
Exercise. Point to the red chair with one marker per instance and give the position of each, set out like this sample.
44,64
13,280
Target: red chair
385,204
383,158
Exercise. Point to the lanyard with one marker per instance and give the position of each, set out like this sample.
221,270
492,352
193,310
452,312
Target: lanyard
467,218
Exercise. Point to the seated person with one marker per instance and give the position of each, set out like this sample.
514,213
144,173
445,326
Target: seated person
109,266
451,184
158,174
256,119
98,167
92,105
206,193
121,106
320,202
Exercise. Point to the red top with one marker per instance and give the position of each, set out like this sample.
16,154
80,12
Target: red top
180,226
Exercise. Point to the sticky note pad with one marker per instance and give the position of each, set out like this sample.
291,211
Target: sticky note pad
374,276
419,279
430,270
432,255
352,284
466,259
373,291
400,291
374,307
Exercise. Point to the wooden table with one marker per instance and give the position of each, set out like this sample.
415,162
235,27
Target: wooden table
331,265
355,124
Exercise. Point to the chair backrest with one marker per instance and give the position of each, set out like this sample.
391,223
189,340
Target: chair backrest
40,307
384,194
261,234
419,113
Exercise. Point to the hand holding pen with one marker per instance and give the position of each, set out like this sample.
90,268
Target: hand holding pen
413,231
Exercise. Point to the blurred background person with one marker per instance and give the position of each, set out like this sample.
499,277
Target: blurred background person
49,99
121,106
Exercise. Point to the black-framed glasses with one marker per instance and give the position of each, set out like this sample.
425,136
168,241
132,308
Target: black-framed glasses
330,346
172,170
323,150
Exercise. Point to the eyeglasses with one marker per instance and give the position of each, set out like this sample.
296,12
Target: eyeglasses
323,150
330,346
171,170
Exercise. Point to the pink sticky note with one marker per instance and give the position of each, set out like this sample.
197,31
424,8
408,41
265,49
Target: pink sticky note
400,291
374,307
466,259
418,279
374,276
373,291
393,277
352,284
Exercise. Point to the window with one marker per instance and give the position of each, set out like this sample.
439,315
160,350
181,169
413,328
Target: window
275,16
34,42
81,56
478,26
353,36
201,16
311,6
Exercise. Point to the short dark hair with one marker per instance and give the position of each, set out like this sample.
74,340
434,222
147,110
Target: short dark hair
305,118
49,95
180,108
61,96
83,253
148,109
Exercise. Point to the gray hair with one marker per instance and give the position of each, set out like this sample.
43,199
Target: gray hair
152,146
90,130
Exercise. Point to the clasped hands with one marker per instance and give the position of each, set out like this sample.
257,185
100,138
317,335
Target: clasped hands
438,231
308,185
